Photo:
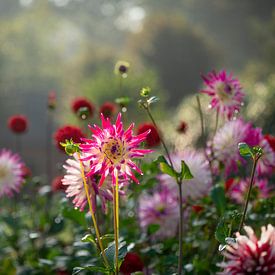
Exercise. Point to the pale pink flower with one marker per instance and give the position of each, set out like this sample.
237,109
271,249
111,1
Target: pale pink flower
226,92
75,188
199,167
11,173
111,150
162,209
250,255
225,143
239,188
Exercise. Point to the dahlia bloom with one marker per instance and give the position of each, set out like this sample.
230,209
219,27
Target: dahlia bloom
226,140
159,208
199,167
11,173
131,263
52,100
250,255
82,102
18,124
108,109
75,188
111,150
67,132
238,189
153,138
226,92
271,141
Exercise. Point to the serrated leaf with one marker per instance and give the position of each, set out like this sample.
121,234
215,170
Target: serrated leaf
245,150
218,197
185,173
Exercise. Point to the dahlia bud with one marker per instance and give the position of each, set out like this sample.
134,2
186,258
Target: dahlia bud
18,124
70,147
122,68
52,100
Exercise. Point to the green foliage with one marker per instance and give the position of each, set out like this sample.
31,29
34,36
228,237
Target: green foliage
218,197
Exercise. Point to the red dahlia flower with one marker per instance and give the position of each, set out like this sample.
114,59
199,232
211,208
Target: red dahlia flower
82,102
153,138
57,184
67,132
108,109
18,124
132,263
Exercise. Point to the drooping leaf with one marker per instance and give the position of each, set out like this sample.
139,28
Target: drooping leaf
218,197
222,231
185,173
103,270
166,168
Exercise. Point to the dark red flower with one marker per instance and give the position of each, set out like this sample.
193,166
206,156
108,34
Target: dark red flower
108,109
271,141
57,184
67,132
52,99
182,128
62,272
228,184
18,124
132,263
153,138
197,208
82,102
26,171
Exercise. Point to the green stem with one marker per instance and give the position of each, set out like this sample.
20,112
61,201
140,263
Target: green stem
255,160
217,122
201,116
180,231
161,139
179,182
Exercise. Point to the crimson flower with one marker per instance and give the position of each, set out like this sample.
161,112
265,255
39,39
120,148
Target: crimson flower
57,184
153,138
108,109
82,102
67,132
18,123
182,128
111,150
132,263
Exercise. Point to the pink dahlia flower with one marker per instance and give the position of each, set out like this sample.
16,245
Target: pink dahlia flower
75,187
226,92
225,142
250,255
239,187
199,167
160,208
11,173
111,150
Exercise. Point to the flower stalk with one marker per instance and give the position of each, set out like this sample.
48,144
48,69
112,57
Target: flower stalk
92,212
116,222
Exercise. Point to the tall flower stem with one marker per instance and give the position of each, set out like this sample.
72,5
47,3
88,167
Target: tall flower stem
255,160
116,222
201,116
180,231
92,213
161,139
216,122
179,182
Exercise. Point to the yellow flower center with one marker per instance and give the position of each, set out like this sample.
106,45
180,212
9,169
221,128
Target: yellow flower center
114,150
3,172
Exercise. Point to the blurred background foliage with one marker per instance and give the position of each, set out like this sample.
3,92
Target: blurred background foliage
71,46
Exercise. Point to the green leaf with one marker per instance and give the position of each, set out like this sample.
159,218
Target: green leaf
222,231
166,168
245,150
185,173
110,253
88,238
77,270
152,228
73,214
218,197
